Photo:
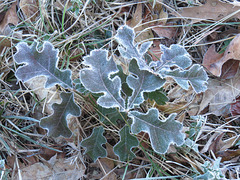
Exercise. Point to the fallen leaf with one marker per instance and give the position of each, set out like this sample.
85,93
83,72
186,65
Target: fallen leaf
220,94
209,142
159,13
54,169
10,17
193,107
232,52
155,50
6,18
158,27
222,64
172,107
210,58
11,162
167,32
29,9
47,154
235,107
142,31
110,152
2,15
106,166
219,145
180,99
213,9
228,155
229,69
49,95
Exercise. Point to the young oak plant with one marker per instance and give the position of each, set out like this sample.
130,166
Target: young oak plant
117,92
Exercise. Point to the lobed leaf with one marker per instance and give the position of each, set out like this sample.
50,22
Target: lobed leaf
175,55
56,123
97,79
123,149
111,114
126,91
141,81
93,144
40,63
125,37
162,133
211,170
196,76
158,96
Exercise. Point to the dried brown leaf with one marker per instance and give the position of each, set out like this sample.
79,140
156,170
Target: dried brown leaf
10,17
167,32
220,94
54,169
213,9
142,33
210,59
107,165
29,9
228,155
222,64
229,69
235,107
172,107
6,18
155,50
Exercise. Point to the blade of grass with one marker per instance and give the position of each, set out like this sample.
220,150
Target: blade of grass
29,139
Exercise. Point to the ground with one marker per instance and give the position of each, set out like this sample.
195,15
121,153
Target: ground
208,30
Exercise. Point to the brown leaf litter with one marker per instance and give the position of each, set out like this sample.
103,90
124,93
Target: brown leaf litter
214,62
29,9
7,18
211,10
220,94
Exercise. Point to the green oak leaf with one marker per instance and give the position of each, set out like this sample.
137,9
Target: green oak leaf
56,123
212,171
123,149
96,79
40,63
174,56
141,81
128,49
111,114
161,133
158,96
93,144
196,76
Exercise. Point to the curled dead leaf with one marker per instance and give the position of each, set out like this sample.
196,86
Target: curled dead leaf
10,17
228,155
142,31
222,145
214,62
220,94
6,18
210,59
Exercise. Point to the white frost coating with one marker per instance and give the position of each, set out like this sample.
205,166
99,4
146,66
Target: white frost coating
93,144
127,141
40,63
161,133
97,79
